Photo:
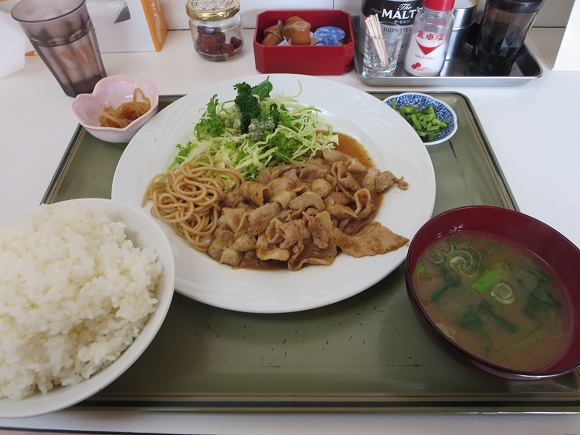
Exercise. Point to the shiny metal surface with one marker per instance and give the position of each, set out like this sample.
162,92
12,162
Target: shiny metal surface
454,73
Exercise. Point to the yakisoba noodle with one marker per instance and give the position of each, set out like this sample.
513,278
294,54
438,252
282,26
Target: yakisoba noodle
190,195
127,112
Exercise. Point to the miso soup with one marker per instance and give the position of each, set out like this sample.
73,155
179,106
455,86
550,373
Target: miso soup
495,299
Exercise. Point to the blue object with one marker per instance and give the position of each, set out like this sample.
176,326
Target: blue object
328,41
422,101
333,32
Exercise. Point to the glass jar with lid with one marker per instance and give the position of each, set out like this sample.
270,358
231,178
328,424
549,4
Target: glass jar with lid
216,28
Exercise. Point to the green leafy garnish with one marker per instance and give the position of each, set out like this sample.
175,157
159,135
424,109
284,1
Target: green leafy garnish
211,123
255,131
183,152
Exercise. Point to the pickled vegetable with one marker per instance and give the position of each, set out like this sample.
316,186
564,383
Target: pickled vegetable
424,122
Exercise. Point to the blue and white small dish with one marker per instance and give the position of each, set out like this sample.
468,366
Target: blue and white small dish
422,101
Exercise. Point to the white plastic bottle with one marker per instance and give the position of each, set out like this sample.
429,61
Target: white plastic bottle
430,38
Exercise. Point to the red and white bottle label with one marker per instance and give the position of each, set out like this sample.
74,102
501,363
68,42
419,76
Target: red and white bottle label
426,52
428,42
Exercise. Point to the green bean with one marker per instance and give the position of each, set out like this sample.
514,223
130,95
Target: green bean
424,122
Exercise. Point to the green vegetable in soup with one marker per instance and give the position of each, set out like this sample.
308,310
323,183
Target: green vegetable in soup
450,280
420,268
499,319
488,278
538,273
501,303
539,301
473,318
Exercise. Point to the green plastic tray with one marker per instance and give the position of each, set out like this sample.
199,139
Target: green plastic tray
364,354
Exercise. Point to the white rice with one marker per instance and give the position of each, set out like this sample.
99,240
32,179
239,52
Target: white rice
74,294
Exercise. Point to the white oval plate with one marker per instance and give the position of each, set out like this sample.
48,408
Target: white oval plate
390,141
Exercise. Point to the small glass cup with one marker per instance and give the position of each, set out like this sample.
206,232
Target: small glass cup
382,53
63,36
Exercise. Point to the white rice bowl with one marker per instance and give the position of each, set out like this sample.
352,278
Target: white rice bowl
77,310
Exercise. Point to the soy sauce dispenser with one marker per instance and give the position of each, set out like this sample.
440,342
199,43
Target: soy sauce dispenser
504,26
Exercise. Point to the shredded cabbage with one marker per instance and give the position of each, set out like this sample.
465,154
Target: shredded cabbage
289,133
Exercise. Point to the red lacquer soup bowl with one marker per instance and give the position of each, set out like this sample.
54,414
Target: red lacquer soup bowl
498,289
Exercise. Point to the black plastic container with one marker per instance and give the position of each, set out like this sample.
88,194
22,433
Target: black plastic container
504,27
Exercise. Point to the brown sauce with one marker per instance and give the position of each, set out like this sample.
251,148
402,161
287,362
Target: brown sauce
347,145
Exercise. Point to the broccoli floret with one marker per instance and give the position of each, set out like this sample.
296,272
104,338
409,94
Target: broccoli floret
248,104
247,101
236,121
260,128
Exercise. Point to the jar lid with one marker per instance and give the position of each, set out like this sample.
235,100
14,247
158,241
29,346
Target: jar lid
517,6
439,5
212,10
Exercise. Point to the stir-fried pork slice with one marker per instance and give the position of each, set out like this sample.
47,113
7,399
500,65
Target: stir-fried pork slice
222,239
338,197
231,218
354,166
320,226
373,239
309,173
309,253
258,193
233,200
266,251
256,221
231,257
345,179
307,199
283,198
341,211
321,187
335,156
264,176
377,181
286,234
364,204
234,254
243,243
337,203
283,184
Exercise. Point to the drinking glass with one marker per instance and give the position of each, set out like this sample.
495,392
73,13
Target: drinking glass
381,52
63,35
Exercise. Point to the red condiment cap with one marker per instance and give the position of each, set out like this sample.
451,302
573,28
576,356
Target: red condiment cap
439,5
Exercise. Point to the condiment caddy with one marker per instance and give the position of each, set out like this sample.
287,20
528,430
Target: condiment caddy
454,73
304,59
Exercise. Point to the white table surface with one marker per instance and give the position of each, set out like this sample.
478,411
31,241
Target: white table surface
534,131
